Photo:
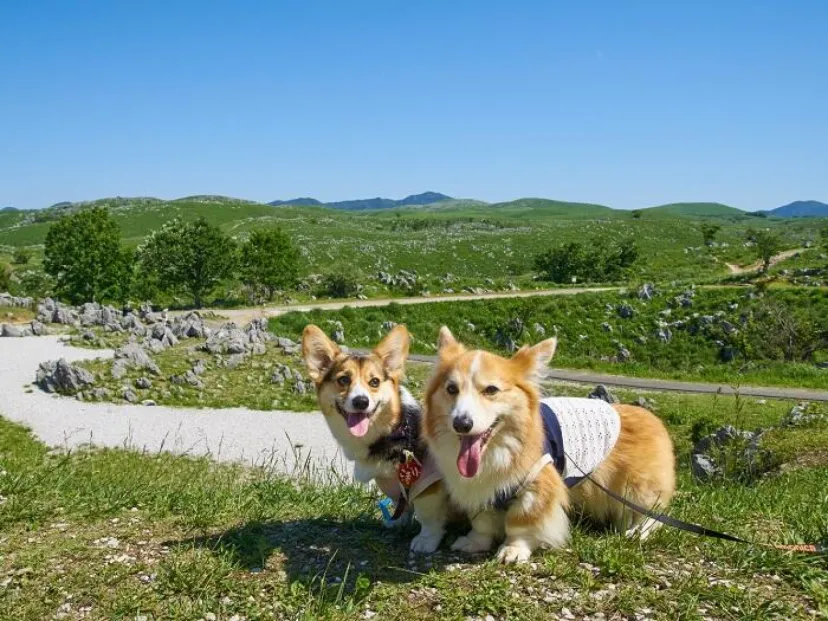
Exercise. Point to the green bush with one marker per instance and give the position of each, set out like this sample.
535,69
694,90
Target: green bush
5,277
21,256
339,284
596,261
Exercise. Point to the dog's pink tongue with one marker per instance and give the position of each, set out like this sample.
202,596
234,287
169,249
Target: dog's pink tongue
358,424
468,461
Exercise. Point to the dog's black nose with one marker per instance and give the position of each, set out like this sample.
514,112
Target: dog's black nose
360,402
463,423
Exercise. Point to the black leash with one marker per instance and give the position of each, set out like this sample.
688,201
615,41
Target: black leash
701,530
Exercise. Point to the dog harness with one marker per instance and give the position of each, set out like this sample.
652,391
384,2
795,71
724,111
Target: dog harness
579,434
415,468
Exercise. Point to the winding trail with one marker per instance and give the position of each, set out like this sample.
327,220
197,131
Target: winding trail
787,254
290,442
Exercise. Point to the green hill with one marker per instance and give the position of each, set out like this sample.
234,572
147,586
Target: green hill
695,210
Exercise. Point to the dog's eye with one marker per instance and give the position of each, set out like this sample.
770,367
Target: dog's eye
491,390
452,389
344,380
374,382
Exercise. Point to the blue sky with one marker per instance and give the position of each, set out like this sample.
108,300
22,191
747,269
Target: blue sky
628,104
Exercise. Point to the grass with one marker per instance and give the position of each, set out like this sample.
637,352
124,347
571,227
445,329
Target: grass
581,321
10,314
117,534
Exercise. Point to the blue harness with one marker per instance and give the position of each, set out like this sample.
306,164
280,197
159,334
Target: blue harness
553,446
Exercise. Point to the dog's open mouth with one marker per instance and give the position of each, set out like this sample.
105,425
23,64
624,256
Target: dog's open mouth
357,421
471,451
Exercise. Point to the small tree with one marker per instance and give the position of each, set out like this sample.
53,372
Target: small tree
21,256
269,260
708,231
823,234
83,254
637,214
767,245
194,256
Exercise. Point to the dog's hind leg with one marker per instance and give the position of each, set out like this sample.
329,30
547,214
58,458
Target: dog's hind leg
431,510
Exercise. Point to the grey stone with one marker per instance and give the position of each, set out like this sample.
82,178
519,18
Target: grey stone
704,468
127,394
143,383
148,403
624,354
234,361
60,376
647,292
625,311
606,327
199,367
38,329
100,394
299,388
601,392
539,329
134,356
801,415
10,331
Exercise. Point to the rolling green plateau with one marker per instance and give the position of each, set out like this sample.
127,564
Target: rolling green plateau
453,244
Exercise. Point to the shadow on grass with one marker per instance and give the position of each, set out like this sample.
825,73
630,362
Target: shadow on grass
340,553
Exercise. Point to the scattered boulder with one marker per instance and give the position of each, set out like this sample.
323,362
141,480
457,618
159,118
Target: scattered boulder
38,329
10,331
143,383
539,329
625,311
62,377
127,394
606,327
132,355
647,292
800,415
601,392
338,333
730,453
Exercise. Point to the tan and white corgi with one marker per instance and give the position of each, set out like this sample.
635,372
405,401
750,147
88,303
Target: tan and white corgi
377,423
507,457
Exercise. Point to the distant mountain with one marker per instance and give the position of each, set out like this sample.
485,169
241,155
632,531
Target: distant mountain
365,204
694,210
801,209
308,202
9,209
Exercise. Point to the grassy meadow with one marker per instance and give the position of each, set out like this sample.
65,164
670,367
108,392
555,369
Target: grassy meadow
106,534
679,334
453,245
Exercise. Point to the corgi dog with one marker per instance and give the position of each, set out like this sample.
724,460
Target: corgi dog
377,423
516,463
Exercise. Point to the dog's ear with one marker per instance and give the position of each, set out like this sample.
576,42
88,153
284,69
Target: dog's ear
532,361
319,351
447,345
393,350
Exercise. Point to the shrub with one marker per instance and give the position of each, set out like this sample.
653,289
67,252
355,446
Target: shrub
21,256
339,284
5,277
597,261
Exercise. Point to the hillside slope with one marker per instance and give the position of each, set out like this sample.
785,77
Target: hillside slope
801,209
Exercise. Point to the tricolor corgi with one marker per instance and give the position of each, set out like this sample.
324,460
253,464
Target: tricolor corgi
516,463
377,423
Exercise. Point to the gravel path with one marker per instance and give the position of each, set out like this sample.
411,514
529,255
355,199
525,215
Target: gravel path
288,441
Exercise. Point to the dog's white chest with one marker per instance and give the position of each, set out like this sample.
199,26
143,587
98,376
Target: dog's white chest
589,430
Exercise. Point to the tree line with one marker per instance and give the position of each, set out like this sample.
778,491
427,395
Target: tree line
86,257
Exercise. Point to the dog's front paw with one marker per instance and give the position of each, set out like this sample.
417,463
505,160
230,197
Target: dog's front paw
513,553
426,543
472,544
